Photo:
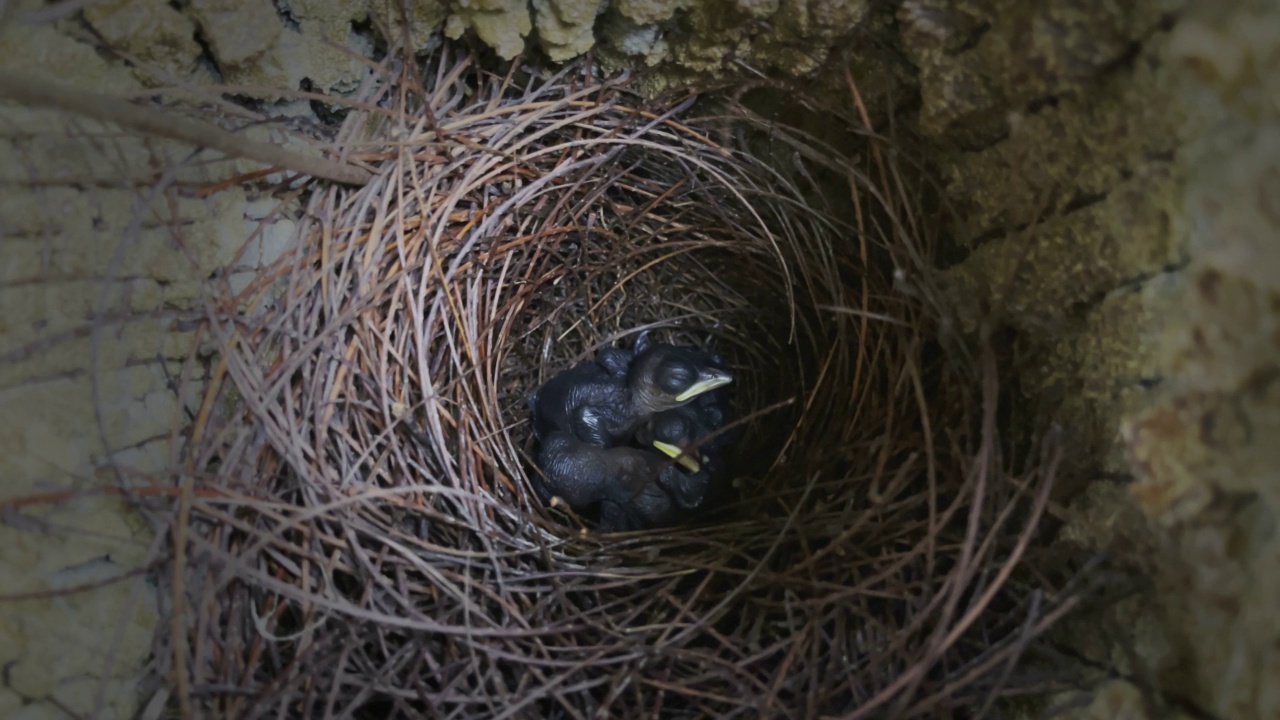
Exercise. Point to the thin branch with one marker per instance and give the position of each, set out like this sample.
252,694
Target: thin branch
162,123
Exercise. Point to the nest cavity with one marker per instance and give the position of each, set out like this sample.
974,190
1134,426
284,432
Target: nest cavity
363,540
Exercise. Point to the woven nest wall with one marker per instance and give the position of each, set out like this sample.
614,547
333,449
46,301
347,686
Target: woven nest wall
361,538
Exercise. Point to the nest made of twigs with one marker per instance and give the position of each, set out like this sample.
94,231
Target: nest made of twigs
365,540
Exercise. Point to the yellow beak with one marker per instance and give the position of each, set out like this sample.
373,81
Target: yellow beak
673,451
710,380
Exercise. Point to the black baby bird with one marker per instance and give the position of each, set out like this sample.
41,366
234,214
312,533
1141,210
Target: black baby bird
633,486
647,506
602,402
694,434
683,433
699,422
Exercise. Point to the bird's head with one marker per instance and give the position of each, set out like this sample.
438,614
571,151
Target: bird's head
674,432
666,376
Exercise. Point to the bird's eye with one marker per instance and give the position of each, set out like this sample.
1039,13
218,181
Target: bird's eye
675,376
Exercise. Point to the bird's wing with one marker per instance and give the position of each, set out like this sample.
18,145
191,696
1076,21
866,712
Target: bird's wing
643,341
588,425
572,471
615,360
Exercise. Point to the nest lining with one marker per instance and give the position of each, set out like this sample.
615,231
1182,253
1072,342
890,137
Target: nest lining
368,543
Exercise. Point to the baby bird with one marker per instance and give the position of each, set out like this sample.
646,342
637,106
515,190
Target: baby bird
599,404
678,429
630,484
694,423
647,507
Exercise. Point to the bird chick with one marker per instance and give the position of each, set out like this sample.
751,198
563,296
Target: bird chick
695,423
636,505
629,484
686,433
678,429
599,405
647,507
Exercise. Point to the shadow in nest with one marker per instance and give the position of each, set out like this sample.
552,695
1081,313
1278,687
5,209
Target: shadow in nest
366,541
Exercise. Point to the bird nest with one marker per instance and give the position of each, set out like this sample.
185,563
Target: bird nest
361,537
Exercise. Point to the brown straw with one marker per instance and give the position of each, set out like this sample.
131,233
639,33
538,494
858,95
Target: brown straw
362,539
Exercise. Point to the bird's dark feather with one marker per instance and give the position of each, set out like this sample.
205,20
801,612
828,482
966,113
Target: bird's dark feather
630,484
586,401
